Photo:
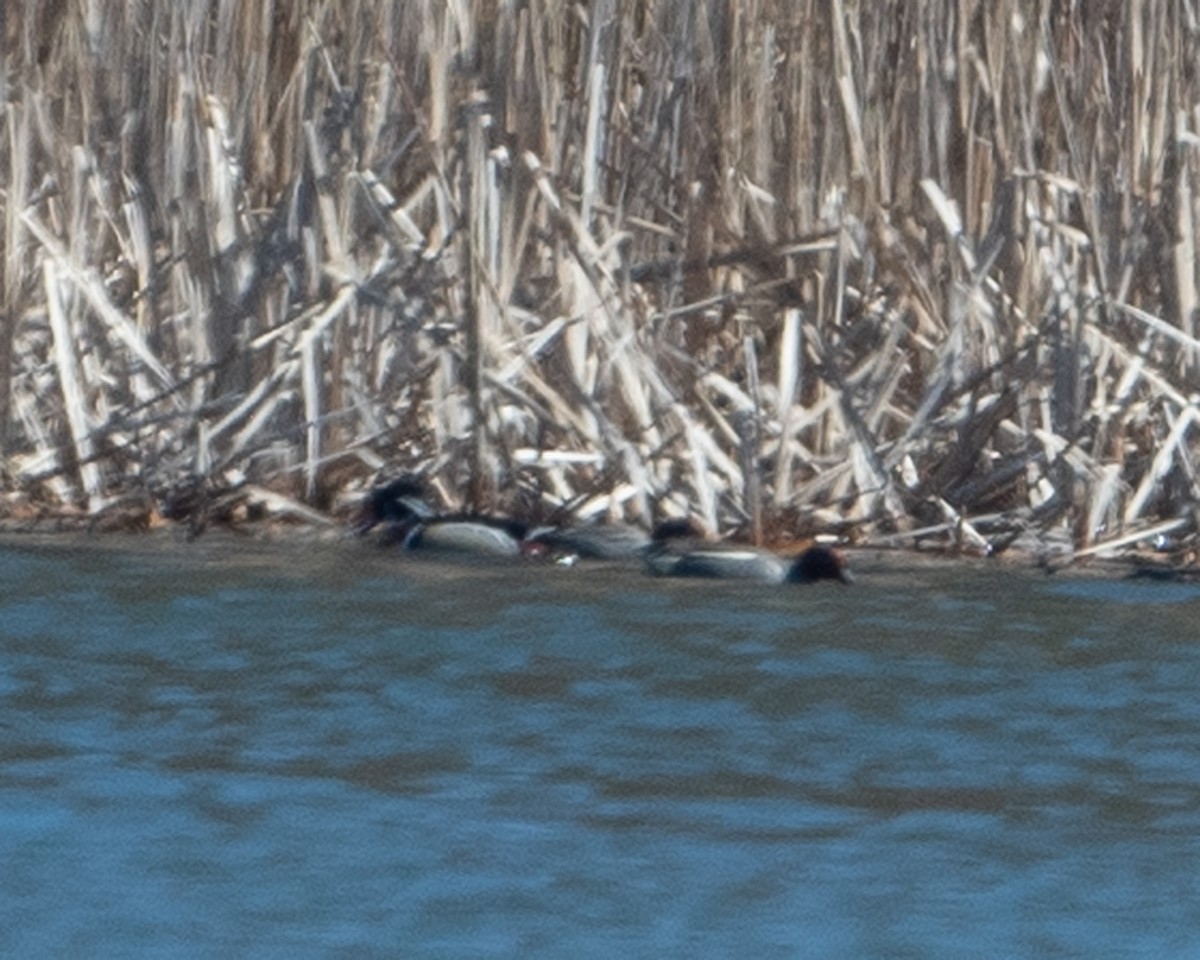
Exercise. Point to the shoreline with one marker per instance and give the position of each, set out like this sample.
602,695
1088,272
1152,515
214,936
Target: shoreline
864,559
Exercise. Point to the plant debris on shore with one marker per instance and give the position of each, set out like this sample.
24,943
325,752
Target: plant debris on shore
898,271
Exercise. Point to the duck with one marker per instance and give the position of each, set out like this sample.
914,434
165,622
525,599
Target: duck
477,536
411,521
678,549
593,541
398,502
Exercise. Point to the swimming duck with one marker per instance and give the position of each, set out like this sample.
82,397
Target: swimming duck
819,562
412,522
676,550
616,541
472,536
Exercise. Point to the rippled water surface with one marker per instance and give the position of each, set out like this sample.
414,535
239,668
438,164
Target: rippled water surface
228,749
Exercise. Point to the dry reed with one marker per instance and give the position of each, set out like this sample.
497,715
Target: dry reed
903,269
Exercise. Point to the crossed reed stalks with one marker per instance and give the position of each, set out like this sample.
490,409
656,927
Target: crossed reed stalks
899,270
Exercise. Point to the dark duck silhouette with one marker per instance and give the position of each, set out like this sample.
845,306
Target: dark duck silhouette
400,506
678,549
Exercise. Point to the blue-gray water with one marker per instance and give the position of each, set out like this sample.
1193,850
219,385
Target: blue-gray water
224,750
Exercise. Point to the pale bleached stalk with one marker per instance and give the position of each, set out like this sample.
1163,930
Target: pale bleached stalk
331,232
751,440
706,494
1160,326
847,90
477,259
72,390
93,291
267,410
246,406
279,505
1104,500
593,144
389,208
1143,535
310,383
1170,448
45,461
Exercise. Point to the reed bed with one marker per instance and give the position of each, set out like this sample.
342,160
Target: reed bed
917,271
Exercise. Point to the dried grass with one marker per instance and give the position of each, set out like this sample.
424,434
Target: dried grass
916,270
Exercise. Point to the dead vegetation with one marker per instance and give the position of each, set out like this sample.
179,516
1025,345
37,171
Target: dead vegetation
904,271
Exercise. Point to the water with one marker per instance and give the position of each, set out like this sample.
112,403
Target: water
225,749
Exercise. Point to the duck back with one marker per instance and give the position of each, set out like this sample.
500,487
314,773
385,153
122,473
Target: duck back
465,537
718,563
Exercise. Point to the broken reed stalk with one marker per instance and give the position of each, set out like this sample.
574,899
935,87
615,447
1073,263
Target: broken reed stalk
69,380
751,424
769,272
476,245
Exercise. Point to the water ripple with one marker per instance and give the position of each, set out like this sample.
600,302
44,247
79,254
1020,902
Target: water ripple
211,752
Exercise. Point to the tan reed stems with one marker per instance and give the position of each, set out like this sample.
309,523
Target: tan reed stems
919,269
